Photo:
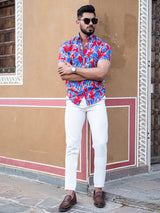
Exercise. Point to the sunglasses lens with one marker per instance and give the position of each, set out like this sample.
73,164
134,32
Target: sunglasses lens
86,20
94,20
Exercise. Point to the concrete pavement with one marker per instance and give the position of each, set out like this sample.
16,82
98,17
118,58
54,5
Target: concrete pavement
23,195
138,191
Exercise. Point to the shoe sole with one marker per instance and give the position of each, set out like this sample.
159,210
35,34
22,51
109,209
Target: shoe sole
99,206
65,210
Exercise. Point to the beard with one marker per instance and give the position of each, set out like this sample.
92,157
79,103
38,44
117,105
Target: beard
88,33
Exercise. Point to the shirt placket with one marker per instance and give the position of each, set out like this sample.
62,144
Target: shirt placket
83,52
80,50
84,62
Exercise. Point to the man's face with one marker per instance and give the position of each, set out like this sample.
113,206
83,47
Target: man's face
87,29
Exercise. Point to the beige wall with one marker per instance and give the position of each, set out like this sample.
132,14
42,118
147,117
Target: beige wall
118,25
34,134
117,134
37,134
46,25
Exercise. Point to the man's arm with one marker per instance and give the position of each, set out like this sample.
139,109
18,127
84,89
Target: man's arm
69,77
72,77
98,73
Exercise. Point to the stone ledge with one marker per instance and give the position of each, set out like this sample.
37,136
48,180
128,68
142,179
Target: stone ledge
123,173
41,177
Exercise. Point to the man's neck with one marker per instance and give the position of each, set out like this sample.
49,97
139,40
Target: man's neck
83,38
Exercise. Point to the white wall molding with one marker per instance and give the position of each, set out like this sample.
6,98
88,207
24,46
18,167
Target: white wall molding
142,96
17,78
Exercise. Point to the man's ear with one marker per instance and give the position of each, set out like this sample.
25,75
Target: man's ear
77,21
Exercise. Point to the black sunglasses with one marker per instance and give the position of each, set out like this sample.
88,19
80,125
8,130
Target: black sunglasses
87,20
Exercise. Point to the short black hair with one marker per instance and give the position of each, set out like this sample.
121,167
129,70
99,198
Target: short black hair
85,9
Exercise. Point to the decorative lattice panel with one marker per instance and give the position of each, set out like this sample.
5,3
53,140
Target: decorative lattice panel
10,76
142,83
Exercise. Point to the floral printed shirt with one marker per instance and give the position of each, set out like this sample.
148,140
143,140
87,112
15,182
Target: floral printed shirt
73,52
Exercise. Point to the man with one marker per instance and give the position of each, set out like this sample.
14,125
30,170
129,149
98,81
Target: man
84,62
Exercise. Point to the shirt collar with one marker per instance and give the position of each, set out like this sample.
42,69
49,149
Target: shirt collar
91,37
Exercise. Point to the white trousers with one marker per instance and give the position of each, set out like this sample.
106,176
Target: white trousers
74,121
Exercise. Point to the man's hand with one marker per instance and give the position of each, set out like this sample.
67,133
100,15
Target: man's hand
64,68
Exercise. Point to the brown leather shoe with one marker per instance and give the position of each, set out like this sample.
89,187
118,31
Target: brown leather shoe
98,198
67,203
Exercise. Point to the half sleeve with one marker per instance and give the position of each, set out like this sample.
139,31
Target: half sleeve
64,53
105,52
